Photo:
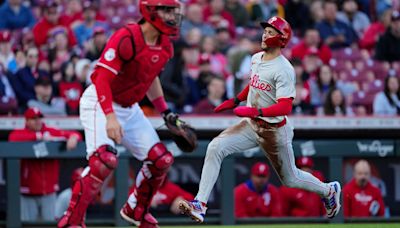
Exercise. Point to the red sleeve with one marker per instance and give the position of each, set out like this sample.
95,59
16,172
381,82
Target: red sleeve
346,201
64,134
282,108
102,79
118,48
21,135
276,202
240,205
39,33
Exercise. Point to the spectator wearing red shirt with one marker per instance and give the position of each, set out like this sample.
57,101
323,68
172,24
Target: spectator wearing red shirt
360,197
312,40
299,202
39,177
375,30
216,15
256,197
51,20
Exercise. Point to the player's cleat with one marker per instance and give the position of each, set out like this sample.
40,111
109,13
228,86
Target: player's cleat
332,201
128,214
195,209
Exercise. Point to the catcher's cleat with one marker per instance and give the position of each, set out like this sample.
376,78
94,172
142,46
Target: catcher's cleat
128,214
195,209
332,201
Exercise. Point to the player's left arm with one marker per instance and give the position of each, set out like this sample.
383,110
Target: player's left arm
156,96
285,93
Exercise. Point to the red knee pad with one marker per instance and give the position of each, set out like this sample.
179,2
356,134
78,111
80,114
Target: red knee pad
103,161
160,158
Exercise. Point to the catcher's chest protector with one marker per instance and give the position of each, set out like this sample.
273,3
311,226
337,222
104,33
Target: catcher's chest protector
145,65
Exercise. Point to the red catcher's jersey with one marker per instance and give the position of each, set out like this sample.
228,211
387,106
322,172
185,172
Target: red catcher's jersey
135,63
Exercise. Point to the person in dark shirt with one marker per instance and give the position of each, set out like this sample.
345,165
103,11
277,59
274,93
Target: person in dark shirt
388,46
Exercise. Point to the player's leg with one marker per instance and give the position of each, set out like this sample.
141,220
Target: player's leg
237,138
277,145
102,160
142,141
29,208
48,207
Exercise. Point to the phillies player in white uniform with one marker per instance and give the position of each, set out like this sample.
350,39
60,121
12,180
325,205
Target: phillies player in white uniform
269,99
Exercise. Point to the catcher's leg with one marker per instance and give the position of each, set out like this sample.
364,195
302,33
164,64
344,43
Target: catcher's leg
237,138
102,162
149,179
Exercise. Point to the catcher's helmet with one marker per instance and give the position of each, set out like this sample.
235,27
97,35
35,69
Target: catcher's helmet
148,9
282,27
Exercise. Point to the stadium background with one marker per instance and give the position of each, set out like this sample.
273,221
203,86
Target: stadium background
356,71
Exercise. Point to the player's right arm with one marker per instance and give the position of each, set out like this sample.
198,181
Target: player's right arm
118,49
233,102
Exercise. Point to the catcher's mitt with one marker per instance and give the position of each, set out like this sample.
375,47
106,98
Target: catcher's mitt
183,134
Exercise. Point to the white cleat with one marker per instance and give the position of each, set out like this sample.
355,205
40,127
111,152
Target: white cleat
194,209
332,201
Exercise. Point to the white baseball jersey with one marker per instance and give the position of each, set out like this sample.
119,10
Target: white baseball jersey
269,81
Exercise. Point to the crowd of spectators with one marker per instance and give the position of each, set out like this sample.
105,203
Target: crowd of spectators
346,53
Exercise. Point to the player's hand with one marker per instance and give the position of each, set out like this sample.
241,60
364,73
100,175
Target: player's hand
244,111
226,105
72,142
114,130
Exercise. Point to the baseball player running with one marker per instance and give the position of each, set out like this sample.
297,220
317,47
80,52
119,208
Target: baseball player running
269,99
127,71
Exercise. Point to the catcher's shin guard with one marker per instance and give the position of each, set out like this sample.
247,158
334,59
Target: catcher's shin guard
101,164
152,174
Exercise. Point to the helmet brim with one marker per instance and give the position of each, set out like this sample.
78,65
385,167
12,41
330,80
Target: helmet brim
266,24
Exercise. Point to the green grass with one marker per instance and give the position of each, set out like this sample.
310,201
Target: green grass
361,225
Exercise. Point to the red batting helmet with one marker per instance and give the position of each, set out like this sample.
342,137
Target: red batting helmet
282,27
305,162
148,9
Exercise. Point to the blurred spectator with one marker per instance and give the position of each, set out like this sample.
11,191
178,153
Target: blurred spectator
354,18
85,30
317,11
298,15
96,44
27,40
59,52
238,12
24,80
82,71
239,58
218,61
168,196
64,197
320,87
194,19
70,88
301,203
223,40
44,100
14,15
215,96
334,33
217,16
312,40
375,30
360,197
256,197
387,102
73,12
263,9
51,19
388,46
39,177
172,79
335,104
8,102
7,57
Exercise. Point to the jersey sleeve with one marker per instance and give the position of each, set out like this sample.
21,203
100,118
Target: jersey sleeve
285,84
111,57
